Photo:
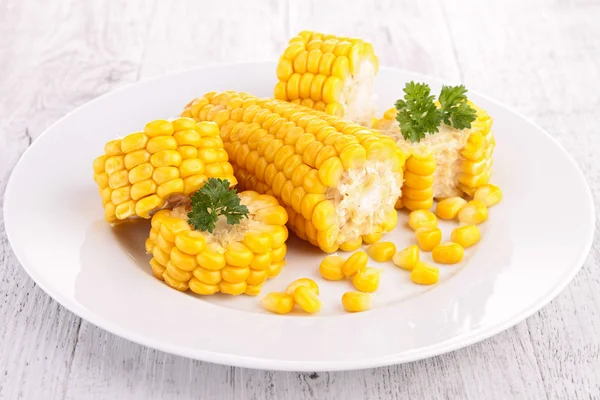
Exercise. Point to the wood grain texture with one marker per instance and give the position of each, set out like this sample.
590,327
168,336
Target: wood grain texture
540,57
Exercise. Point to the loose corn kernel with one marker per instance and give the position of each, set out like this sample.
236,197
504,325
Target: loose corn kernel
473,213
309,283
488,194
307,299
277,302
356,301
424,274
382,251
428,238
366,280
448,253
355,263
466,236
407,258
449,208
331,268
422,219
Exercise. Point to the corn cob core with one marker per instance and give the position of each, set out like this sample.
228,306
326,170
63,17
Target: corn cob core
463,158
146,171
329,73
338,180
234,259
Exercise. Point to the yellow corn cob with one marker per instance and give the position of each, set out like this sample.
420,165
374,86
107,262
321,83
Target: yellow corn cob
463,158
233,259
338,180
329,73
146,171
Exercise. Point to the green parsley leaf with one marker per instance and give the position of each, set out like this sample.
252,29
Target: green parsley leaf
212,200
455,111
417,113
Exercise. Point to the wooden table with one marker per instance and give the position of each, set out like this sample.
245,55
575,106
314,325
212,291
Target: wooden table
540,57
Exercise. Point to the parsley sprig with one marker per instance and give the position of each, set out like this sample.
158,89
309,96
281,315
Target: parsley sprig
212,200
419,115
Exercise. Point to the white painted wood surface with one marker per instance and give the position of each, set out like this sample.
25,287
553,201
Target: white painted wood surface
540,57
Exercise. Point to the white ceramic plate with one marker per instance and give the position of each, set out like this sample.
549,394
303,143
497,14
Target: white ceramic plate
533,244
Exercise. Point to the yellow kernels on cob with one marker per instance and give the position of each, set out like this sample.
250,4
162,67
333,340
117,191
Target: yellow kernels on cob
307,299
428,238
447,253
331,268
338,180
334,75
424,274
309,283
407,258
466,236
154,169
278,303
488,194
422,219
233,259
366,280
449,208
356,301
355,263
382,251
417,191
473,213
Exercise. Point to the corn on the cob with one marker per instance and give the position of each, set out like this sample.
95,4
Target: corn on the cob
157,168
338,180
463,159
329,73
233,258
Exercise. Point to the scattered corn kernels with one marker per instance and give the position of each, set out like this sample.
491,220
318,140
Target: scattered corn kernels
278,302
382,251
309,283
424,274
307,299
466,236
448,253
422,219
407,258
428,238
366,280
473,213
355,263
356,301
488,194
449,208
331,268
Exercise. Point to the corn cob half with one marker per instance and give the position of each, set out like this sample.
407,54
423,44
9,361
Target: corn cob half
146,171
329,73
450,162
338,180
232,258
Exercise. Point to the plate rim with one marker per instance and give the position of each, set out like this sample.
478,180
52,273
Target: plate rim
455,343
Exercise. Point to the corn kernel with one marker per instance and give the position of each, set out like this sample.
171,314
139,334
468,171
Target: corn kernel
407,258
277,302
422,219
275,268
488,194
356,301
253,290
449,208
382,251
428,238
473,213
351,245
424,274
307,299
233,289
200,287
238,255
366,280
207,276
331,268
235,274
448,253
355,263
309,283
466,236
